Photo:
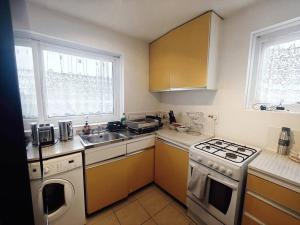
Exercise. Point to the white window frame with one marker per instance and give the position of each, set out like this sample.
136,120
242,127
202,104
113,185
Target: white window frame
38,43
257,39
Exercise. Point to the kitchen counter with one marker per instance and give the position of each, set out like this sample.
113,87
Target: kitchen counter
278,167
69,147
184,139
60,148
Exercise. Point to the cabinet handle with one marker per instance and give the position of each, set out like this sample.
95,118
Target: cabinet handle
171,144
106,161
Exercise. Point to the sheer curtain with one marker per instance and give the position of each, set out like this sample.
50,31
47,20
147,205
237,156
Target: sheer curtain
279,73
25,69
76,85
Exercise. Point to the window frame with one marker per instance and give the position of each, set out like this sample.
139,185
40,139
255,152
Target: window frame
38,43
274,33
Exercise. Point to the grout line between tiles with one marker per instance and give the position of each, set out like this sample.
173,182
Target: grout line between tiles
149,220
117,217
144,209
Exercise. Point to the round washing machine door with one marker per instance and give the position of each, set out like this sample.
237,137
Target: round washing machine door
55,198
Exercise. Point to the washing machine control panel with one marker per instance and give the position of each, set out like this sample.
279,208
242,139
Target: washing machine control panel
55,166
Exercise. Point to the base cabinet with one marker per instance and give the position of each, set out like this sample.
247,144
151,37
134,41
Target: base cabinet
140,169
106,183
171,169
269,203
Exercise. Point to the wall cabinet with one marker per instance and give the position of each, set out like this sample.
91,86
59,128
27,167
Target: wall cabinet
106,183
270,203
185,58
171,169
140,169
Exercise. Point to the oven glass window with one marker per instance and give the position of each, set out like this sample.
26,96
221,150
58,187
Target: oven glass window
219,196
53,197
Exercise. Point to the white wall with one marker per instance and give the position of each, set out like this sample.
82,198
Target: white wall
135,54
234,122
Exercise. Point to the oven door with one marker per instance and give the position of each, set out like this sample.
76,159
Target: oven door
220,195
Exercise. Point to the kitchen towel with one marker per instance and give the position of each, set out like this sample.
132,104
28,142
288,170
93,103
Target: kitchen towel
197,183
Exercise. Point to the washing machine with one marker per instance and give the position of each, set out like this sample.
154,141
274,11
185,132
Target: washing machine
58,198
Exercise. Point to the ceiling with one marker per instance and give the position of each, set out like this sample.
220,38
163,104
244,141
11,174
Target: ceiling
143,19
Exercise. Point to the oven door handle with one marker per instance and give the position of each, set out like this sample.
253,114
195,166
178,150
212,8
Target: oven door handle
232,186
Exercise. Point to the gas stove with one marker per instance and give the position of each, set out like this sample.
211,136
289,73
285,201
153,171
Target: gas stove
227,150
223,163
226,157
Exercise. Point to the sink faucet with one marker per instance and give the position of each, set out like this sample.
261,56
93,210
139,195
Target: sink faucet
98,130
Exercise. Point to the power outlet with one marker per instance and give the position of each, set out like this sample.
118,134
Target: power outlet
212,116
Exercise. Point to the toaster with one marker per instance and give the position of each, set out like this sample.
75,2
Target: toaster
46,134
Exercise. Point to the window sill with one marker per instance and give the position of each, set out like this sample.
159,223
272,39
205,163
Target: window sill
274,111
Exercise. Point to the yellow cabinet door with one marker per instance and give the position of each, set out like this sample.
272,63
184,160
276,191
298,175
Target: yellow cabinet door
106,183
190,53
171,169
179,59
268,213
159,64
140,169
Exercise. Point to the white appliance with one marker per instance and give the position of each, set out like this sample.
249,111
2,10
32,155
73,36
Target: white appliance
225,163
58,198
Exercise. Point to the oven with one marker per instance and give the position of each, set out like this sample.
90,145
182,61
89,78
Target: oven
221,199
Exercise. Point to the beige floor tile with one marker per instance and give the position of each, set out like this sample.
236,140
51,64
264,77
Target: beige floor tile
149,222
144,191
179,207
132,214
154,201
106,217
171,216
123,203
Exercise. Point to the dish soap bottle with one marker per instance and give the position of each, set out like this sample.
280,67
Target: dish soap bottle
123,120
86,128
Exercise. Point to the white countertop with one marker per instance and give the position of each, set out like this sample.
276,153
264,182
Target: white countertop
71,146
60,148
184,139
277,166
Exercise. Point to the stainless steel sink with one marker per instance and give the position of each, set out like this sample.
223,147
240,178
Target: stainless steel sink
102,138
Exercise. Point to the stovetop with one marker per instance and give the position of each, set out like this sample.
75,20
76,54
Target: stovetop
227,150
226,157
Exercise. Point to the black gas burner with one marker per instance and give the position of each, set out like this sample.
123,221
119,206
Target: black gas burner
241,149
219,142
207,147
231,155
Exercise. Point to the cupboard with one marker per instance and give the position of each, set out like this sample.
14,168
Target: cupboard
185,57
140,169
106,183
269,203
171,169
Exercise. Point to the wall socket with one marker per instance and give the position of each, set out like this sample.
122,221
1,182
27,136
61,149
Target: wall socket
212,116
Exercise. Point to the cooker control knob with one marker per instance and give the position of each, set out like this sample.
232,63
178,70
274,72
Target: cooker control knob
228,172
210,163
222,169
199,159
216,166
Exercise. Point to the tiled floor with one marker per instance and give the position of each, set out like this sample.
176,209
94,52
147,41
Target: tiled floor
149,206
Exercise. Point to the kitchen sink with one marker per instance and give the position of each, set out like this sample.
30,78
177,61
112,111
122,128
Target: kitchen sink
102,138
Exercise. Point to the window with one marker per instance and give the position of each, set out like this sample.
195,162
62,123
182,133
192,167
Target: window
76,86
274,73
58,82
27,87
